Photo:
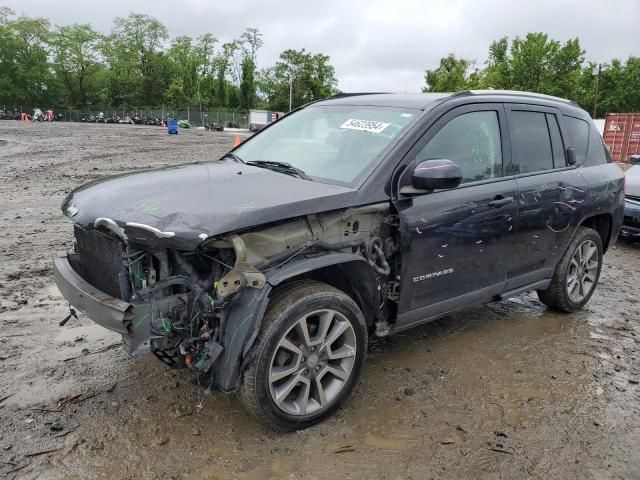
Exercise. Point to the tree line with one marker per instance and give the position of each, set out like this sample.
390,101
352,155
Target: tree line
537,63
138,64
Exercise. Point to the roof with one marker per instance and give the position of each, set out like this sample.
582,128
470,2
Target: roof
421,100
398,100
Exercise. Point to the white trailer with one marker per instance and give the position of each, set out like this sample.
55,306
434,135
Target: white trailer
261,118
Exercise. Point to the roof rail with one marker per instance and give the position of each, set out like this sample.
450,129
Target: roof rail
353,94
515,93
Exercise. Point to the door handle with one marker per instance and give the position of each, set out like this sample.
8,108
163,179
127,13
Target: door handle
500,201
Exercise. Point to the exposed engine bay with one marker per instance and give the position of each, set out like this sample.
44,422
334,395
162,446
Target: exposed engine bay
181,299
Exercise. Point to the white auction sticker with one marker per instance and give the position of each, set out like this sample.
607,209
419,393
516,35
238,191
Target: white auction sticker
365,125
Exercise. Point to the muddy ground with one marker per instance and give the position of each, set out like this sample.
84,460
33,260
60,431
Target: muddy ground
509,390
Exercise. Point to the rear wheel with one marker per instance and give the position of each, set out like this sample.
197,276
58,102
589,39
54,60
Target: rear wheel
577,273
308,357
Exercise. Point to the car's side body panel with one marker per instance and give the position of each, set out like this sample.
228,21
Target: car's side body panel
454,243
605,195
551,205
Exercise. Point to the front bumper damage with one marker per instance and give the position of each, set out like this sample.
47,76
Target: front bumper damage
202,308
133,319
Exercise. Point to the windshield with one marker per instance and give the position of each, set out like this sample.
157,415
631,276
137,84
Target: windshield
335,142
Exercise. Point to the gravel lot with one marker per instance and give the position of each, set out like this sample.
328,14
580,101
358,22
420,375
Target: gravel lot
509,390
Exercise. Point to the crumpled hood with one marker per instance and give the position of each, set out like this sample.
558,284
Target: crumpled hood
181,206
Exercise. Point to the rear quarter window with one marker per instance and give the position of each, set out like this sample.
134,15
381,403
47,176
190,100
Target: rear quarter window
597,153
578,133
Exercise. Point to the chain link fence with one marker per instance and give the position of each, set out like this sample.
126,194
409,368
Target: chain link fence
198,117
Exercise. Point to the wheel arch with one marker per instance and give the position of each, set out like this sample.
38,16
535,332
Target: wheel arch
601,223
349,273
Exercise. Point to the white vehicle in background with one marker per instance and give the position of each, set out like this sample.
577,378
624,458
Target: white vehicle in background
631,223
37,116
258,119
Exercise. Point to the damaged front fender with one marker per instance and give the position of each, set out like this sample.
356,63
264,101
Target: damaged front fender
247,311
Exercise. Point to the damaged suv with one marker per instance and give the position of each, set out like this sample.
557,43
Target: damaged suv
266,271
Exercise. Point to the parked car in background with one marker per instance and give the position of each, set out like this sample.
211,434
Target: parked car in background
631,225
266,271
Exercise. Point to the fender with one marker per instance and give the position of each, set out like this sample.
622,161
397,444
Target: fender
247,311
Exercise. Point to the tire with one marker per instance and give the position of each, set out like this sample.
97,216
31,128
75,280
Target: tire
323,309
563,293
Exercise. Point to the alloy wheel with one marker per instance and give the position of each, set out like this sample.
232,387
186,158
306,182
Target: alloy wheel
312,362
582,272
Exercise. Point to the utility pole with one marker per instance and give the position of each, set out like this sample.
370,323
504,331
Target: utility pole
290,89
595,97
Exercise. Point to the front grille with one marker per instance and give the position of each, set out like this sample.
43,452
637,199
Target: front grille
100,259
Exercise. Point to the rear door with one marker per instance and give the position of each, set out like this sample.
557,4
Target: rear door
458,244
549,192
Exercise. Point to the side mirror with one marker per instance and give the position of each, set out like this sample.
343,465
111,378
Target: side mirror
571,156
436,175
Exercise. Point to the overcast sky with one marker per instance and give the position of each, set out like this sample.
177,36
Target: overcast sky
374,45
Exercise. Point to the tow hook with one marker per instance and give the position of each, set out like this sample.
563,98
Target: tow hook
72,313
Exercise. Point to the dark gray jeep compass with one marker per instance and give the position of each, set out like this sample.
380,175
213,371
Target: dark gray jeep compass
265,271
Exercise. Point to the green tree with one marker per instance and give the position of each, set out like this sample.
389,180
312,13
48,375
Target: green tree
251,41
184,60
222,68
619,89
535,64
452,75
76,62
206,53
247,84
25,78
312,77
539,64
134,55
497,74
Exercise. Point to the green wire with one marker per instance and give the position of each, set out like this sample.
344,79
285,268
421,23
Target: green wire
165,325
140,321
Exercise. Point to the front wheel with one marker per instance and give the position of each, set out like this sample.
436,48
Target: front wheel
308,357
577,273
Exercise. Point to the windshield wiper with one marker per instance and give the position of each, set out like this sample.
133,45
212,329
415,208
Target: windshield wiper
233,156
280,167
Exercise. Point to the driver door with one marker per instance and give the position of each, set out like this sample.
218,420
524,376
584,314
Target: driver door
457,244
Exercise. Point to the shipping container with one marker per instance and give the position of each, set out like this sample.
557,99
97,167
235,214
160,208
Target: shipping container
622,135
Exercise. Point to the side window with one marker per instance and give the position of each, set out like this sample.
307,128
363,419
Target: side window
559,160
472,140
531,142
578,132
597,154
